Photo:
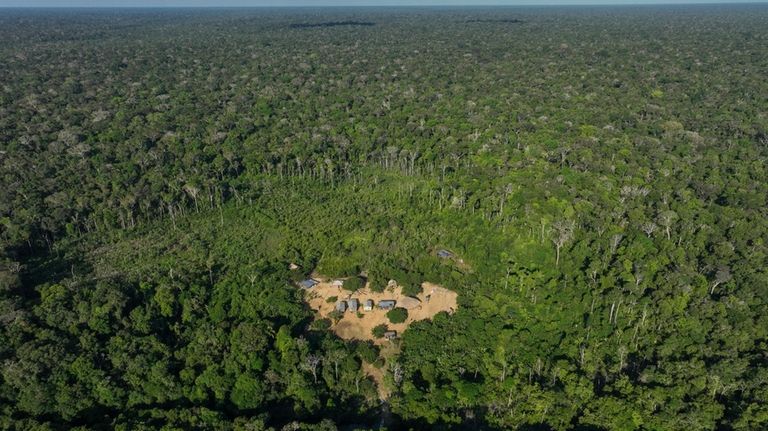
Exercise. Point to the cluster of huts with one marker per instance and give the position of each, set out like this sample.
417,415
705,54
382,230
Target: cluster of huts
353,304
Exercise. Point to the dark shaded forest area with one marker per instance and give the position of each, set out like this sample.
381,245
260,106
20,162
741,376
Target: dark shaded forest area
600,172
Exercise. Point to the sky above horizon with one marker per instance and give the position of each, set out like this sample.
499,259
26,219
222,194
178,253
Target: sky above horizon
295,3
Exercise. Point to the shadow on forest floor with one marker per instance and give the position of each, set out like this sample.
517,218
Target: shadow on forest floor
53,268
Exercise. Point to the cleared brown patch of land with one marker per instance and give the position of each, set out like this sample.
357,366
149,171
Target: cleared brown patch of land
359,326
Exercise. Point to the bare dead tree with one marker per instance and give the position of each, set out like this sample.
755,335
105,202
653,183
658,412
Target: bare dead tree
412,155
563,152
563,231
507,190
639,277
723,275
615,241
397,373
622,351
667,219
312,363
192,191
648,228
335,357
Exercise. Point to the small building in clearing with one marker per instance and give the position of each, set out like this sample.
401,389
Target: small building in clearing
308,283
341,306
368,306
353,304
387,304
445,254
337,283
390,335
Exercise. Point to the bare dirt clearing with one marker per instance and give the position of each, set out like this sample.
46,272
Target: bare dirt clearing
359,325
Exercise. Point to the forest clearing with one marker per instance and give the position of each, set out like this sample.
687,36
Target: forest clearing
323,297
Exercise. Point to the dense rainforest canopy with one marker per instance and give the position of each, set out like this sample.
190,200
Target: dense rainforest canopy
599,174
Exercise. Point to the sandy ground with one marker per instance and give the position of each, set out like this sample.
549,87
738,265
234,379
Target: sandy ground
354,327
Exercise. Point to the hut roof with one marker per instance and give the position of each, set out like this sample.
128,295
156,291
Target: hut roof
308,283
387,303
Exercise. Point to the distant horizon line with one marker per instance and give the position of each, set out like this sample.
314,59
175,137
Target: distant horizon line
429,5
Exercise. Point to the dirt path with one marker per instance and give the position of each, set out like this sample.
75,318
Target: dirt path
377,374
